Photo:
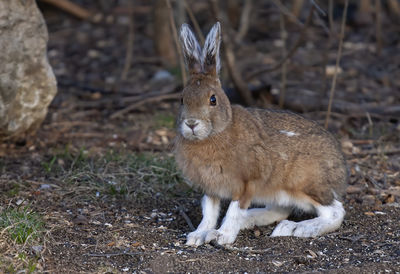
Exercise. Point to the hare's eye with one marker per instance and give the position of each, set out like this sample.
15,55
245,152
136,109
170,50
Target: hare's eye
213,100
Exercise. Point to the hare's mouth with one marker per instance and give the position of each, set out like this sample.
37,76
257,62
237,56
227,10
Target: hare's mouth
194,129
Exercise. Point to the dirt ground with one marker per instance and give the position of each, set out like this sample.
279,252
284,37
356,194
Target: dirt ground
90,228
111,197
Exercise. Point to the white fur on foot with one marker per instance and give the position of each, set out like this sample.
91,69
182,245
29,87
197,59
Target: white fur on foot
264,216
329,219
196,238
284,228
222,237
210,210
233,221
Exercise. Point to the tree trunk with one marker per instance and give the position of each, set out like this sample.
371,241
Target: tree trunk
163,39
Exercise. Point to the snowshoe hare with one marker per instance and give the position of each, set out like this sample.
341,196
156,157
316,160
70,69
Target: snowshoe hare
276,159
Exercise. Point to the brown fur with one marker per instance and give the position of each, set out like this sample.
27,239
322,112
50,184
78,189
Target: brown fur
247,154
252,159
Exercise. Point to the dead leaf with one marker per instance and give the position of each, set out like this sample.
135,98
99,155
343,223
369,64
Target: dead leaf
312,253
395,190
277,263
161,132
390,199
135,244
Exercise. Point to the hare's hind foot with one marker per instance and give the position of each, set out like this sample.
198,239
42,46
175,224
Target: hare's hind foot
329,219
265,216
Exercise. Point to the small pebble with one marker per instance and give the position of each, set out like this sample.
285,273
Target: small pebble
368,200
80,220
37,248
18,202
353,189
330,70
44,187
162,75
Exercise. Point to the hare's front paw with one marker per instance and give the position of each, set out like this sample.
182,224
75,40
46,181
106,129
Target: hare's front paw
196,238
222,237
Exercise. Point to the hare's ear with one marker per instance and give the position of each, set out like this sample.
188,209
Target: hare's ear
191,50
210,54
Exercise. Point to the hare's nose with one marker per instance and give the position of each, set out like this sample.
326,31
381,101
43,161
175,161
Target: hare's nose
191,123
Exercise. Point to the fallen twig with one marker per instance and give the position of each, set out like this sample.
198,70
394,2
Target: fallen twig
86,87
373,181
186,218
164,90
388,151
71,8
352,239
339,55
112,254
290,53
238,249
84,135
144,101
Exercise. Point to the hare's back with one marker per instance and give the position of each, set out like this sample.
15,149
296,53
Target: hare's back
286,123
308,155
298,137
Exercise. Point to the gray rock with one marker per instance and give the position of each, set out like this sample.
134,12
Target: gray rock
162,76
27,82
44,187
37,249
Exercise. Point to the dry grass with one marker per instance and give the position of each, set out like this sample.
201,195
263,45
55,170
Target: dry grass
128,176
75,176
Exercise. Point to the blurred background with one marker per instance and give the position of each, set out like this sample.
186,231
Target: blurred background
99,177
118,64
